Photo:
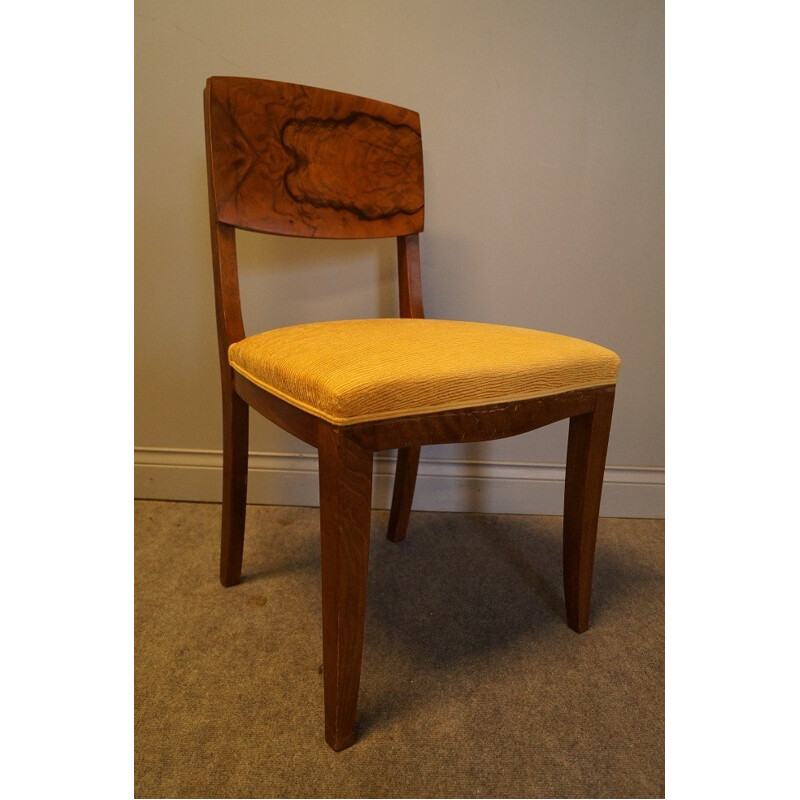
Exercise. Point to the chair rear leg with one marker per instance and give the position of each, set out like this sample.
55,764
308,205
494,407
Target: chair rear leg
586,461
405,479
236,420
345,483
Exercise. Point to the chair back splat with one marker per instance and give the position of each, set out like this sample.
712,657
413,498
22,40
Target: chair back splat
294,160
298,161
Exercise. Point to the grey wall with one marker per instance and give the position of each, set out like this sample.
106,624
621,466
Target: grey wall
543,132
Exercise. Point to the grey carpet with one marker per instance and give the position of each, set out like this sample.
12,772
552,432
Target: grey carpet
472,684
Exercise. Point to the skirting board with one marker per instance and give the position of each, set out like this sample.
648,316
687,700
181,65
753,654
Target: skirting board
442,485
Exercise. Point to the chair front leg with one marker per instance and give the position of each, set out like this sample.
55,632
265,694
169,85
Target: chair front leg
345,482
586,461
236,422
405,479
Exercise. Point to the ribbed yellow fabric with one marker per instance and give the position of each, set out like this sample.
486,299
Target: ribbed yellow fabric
371,369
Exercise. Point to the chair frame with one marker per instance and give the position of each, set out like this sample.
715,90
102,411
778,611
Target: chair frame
346,466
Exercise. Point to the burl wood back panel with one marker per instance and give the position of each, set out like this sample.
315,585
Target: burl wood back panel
300,161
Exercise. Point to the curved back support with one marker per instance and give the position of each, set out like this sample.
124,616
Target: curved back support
299,161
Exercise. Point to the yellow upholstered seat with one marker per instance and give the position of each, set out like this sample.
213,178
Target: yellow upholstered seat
372,369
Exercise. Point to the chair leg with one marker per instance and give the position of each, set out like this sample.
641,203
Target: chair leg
405,479
586,460
345,482
236,419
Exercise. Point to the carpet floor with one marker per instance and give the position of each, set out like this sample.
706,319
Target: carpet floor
472,684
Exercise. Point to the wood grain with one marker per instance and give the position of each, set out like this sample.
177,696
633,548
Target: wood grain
345,489
409,278
235,426
405,480
586,461
361,164
301,161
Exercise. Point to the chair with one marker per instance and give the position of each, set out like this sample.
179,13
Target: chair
299,161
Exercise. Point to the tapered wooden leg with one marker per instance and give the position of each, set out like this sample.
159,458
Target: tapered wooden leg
236,421
405,478
345,482
586,461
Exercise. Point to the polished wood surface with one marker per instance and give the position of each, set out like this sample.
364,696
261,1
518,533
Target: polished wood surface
409,277
345,490
299,161
475,424
586,460
405,480
235,427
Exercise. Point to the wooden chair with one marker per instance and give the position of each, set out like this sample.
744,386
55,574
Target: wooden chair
298,161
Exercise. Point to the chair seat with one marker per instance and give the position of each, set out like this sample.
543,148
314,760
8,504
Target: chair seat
373,369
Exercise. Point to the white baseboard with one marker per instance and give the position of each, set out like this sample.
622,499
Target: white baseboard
442,485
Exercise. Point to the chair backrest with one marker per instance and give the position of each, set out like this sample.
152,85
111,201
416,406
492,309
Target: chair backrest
299,161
